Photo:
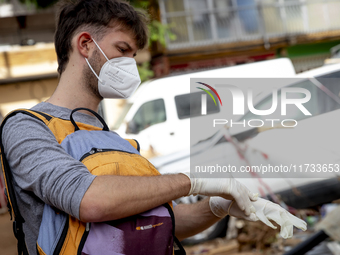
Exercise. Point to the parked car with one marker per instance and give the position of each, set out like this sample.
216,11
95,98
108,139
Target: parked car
314,139
157,115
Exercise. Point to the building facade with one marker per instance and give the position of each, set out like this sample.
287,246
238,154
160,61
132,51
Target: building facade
213,33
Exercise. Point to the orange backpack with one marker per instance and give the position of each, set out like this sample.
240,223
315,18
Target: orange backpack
103,153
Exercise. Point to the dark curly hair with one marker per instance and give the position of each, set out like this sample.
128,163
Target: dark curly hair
95,17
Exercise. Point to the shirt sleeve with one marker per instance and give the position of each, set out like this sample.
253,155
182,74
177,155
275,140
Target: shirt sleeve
40,165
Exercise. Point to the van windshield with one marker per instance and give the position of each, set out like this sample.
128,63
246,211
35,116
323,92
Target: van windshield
122,115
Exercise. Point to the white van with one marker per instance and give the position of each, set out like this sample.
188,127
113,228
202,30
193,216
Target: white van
157,115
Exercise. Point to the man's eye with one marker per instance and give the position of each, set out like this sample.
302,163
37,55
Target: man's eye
122,50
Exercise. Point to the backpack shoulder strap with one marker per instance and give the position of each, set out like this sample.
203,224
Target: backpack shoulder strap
134,143
44,117
12,201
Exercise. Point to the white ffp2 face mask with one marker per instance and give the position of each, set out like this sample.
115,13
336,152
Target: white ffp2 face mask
118,77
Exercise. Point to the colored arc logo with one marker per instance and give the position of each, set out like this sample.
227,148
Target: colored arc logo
214,90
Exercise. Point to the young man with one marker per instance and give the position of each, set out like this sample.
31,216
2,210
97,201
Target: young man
89,33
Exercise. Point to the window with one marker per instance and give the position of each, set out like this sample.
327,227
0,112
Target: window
189,105
207,20
204,22
148,114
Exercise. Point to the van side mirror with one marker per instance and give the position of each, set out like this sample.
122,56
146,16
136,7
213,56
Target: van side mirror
131,127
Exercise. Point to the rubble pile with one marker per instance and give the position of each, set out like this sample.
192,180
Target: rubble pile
256,238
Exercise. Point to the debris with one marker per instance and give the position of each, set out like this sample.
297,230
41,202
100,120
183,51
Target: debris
217,246
253,238
256,235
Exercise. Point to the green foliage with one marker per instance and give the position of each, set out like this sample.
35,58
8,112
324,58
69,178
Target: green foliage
159,32
141,4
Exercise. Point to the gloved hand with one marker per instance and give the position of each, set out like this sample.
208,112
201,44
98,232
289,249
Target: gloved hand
265,211
227,188
222,207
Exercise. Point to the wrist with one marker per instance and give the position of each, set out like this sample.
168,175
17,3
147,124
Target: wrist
188,183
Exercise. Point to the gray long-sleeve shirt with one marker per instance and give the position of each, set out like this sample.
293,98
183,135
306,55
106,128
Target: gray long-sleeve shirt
43,172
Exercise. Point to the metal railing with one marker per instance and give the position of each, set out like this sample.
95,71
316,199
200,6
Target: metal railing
211,22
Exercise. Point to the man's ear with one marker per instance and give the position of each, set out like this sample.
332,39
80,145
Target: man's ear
84,44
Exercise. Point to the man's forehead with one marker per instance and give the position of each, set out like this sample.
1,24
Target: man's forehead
121,33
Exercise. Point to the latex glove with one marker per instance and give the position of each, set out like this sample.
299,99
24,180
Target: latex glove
221,207
265,211
227,188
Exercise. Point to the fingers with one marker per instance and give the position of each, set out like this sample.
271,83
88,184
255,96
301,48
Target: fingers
229,189
241,203
247,197
245,206
252,217
266,211
289,221
265,220
253,196
286,231
286,221
298,222
236,212
279,217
